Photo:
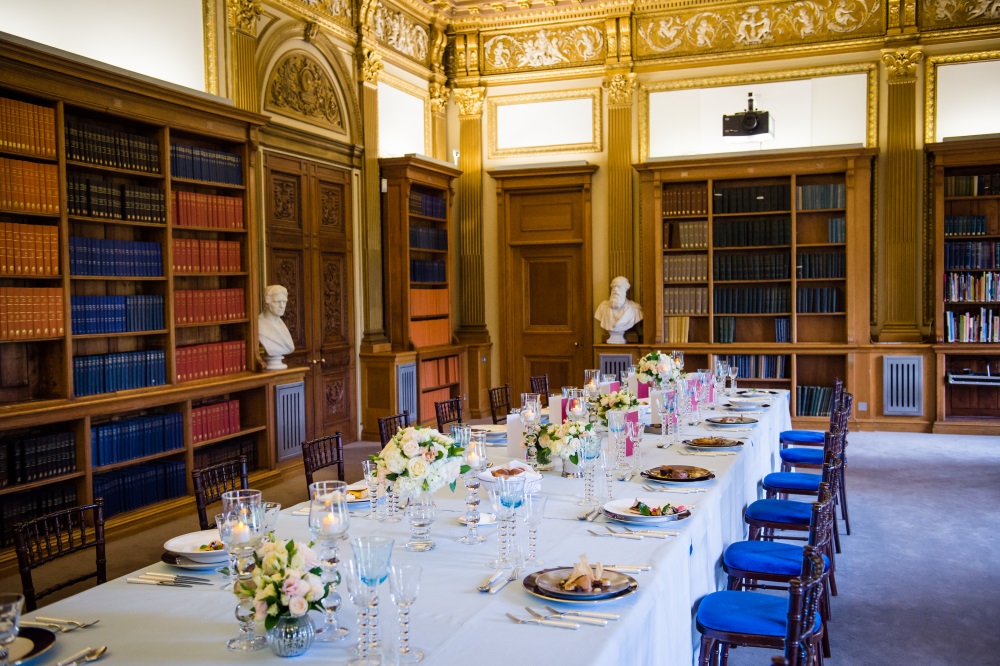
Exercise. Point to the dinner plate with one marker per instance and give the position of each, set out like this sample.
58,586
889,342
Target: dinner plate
731,421
189,546
30,642
666,473
485,520
745,406
619,510
532,588
750,392
491,428
359,485
550,581
713,443
182,562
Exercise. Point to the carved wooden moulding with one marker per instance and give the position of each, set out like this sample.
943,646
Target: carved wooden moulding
299,87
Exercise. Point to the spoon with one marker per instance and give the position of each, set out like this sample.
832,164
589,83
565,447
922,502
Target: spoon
88,655
95,654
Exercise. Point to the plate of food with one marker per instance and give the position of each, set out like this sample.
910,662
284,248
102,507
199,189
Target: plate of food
645,510
677,474
357,492
745,406
30,642
569,584
731,421
182,562
205,547
713,443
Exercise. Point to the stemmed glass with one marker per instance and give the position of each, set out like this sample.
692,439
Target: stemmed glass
461,433
10,618
734,370
475,457
678,357
404,584
242,530
534,511
271,511
721,372
616,430
329,521
507,493
607,464
370,469
360,595
590,452
633,433
372,555
531,416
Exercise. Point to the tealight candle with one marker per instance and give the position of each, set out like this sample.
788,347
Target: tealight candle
472,458
330,524
241,533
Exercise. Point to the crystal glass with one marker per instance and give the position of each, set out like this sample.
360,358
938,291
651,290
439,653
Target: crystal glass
616,436
476,458
590,453
566,390
10,618
627,372
633,433
420,513
233,500
734,371
241,530
372,555
329,520
507,494
678,357
461,433
608,377
376,504
531,417
534,511
605,468
361,596
404,584
392,502
271,512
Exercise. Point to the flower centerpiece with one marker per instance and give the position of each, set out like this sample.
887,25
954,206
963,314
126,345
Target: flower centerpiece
622,400
420,459
657,368
285,582
561,441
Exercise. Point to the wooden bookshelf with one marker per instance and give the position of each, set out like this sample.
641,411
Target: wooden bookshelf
763,259
96,228
965,186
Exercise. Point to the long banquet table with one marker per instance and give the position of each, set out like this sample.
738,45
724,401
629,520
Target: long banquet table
452,621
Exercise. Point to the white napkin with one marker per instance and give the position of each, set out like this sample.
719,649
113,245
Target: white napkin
632,384
655,398
515,436
555,408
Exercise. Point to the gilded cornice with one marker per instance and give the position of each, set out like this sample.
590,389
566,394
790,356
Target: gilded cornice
486,16
931,84
371,66
299,87
309,31
620,87
340,24
549,47
470,101
901,64
947,14
243,15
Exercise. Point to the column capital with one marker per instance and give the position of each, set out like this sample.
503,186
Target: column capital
439,94
371,65
901,64
470,100
243,15
620,86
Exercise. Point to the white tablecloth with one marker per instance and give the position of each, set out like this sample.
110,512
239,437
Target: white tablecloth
452,621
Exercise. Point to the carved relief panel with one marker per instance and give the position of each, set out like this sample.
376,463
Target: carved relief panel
299,87
938,14
334,282
286,269
550,47
285,194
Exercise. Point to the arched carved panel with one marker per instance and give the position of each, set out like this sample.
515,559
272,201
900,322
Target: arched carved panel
299,87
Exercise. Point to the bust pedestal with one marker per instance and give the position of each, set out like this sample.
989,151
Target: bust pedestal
274,362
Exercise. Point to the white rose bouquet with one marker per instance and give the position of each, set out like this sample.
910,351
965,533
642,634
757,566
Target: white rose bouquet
418,459
561,441
655,368
285,581
622,400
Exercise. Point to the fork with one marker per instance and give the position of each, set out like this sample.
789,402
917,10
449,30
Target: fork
637,537
649,532
673,490
654,535
62,628
79,625
551,623
559,616
576,614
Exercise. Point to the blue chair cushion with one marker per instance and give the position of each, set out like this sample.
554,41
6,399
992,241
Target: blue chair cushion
787,512
799,481
799,436
746,613
800,455
767,557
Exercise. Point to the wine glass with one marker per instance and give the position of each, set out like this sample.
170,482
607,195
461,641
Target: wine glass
476,458
734,370
10,618
590,453
534,511
633,433
616,428
461,433
360,595
404,584
372,555
376,507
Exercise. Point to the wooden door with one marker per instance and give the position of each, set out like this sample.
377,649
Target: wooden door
545,286
308,238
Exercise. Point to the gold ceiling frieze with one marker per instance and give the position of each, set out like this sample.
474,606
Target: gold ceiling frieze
339,24
947,14
484,16
551,47
401,33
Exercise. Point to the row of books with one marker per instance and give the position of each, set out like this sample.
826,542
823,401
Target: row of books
782,329
106,373
137,486
29,249
821,196
972,255
116,314
429,302
752,300
137,437
225,451
690,235
822,265
215,420
20,507
29,187
194,255
685,300
964,225
109,145
199,306
676,329
756,266
428,205
114,258
980,185
819,299
88,195
725,329
208,164
761,366
970,287
36,457
194,209
428,238
428,271
752,231
685,199
430,332
211,360
685,267
836,230
427,400
31,312
981,326
438,371
752,198
813,400
27,127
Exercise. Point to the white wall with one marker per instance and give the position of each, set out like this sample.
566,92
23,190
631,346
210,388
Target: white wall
400,122
163,40
968,99
546,123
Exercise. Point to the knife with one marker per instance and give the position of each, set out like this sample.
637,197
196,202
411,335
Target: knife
193,580
605,616
596,621
75,658
165,583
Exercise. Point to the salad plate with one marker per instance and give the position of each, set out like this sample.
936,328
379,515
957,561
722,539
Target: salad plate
713,443
677,474
531,586
550,581
195,546
730,421
622,511
30,642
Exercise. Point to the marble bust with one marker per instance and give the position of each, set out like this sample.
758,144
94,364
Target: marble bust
271,330
618,314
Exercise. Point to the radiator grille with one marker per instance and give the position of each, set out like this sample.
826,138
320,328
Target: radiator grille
902,385
290,404
613,364
406,397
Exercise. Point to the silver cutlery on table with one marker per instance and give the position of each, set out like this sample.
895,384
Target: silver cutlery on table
559,616
654,489
654,535
586,514
192,580
48,625
150,581
78,625
548,623
503,583
576,613
488,583
707,453
636,537
631,531
628,568
86,655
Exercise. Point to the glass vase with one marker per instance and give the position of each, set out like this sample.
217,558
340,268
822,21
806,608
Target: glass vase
291,636
420,514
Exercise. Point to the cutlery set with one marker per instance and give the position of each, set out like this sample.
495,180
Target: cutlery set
707,453
565,619
652,489
85,655
168,580
590,515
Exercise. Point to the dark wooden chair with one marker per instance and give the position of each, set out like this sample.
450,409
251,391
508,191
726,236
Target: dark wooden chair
500,403
448,411
50,537
323,452
388,426
540,385
210,482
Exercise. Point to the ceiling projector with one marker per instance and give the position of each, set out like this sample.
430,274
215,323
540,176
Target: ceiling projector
750,125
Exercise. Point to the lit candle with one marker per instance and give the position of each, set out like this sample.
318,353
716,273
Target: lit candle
330,524
241,533
473,458
528,414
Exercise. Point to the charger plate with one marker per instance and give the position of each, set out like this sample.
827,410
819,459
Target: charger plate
531,586
30,642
